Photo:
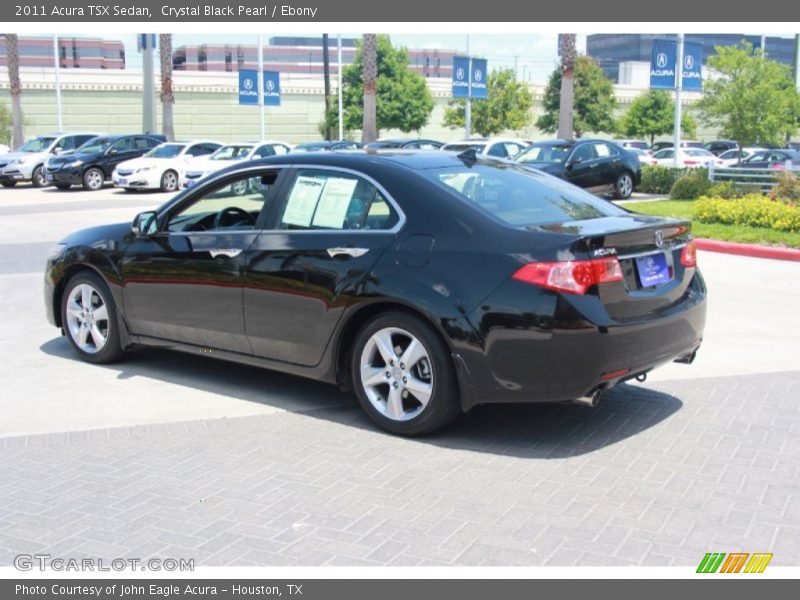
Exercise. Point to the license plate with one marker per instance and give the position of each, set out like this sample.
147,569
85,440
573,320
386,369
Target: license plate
49,177
123,181
653,269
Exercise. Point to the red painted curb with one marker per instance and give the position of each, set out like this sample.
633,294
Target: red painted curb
748,250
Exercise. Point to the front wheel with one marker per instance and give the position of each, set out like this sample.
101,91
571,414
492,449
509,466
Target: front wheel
93,179
403,376
38,179
169,181
89,318
623,188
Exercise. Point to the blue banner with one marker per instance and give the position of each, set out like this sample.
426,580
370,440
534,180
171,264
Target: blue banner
662,65
248,87
272,88
460,77
692,67
479,78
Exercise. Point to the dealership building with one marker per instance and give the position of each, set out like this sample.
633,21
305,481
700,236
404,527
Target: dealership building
616,52
74,52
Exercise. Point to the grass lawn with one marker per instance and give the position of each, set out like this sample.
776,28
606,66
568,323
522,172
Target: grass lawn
717,231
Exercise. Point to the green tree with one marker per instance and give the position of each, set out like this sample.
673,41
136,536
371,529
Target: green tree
652,114
594,102
751,99
507,106
6,124
403,100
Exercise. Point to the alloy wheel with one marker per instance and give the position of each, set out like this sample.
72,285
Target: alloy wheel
396,374
94,179
87,318
169,181
625,185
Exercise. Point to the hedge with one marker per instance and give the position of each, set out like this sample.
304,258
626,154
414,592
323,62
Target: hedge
754,210
658,179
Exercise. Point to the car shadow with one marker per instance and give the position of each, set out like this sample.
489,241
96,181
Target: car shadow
535,431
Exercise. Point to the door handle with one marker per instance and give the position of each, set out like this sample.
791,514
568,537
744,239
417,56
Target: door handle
225,252
353,252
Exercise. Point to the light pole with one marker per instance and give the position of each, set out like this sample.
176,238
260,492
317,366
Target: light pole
468,110
339,90
678,87
260,78
57,67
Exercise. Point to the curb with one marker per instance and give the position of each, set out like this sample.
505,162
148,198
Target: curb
752,250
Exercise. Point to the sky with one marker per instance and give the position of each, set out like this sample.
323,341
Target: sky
535,55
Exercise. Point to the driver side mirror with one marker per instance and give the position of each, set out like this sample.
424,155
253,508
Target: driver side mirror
145,223
573,161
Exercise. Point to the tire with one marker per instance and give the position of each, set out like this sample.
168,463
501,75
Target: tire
37,178
63,186
623,186
8,184
93,179
169,181
99,341
430,372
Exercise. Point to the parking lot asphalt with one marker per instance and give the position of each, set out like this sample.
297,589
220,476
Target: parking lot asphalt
173,455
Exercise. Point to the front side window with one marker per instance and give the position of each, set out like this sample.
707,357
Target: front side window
232,152
320,199
233,205
583,153
545,153
519,196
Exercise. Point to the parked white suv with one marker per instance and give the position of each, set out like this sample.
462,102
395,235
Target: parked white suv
499,147
27,163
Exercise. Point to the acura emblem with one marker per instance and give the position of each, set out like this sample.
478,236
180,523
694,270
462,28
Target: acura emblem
659,239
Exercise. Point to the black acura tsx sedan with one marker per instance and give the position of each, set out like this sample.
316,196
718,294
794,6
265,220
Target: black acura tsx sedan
425,282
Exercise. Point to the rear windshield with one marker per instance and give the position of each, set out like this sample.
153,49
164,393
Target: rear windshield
520,196
231,152
462,147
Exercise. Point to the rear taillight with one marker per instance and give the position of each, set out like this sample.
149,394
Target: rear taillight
572,276
689,254
691,162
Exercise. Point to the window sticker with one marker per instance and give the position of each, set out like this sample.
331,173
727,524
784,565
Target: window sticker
334,202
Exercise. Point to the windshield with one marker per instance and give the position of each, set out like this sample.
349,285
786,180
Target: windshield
231,152
165,151
521,197
96,145
546,153
733,154
697,152
39,144
639,145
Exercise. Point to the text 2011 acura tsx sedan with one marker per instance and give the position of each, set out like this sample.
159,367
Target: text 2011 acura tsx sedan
426,282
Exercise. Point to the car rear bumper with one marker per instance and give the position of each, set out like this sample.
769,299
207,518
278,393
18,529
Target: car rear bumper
525,359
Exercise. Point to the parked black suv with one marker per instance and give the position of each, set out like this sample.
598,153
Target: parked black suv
92,164
717,147
595,165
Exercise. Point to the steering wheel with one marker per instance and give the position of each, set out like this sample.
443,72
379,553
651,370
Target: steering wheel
222,217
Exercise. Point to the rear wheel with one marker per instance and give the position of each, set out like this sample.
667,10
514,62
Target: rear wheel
169,181
8,183
89,318
623,188
38,178
403,376
93,179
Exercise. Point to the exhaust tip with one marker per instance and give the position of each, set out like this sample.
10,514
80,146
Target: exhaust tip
592,400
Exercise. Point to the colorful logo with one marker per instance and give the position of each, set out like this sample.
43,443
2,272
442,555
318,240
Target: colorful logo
734,562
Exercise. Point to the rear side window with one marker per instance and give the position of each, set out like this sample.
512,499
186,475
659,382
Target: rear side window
320,199
521,197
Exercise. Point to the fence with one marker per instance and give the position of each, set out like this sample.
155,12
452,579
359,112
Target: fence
761,179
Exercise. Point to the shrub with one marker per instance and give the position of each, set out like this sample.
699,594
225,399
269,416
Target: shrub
690,186
754,210
727,190
658,179
787,190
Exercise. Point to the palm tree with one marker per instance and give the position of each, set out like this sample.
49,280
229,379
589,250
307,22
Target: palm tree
567,52
12,61
369,61
167,97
